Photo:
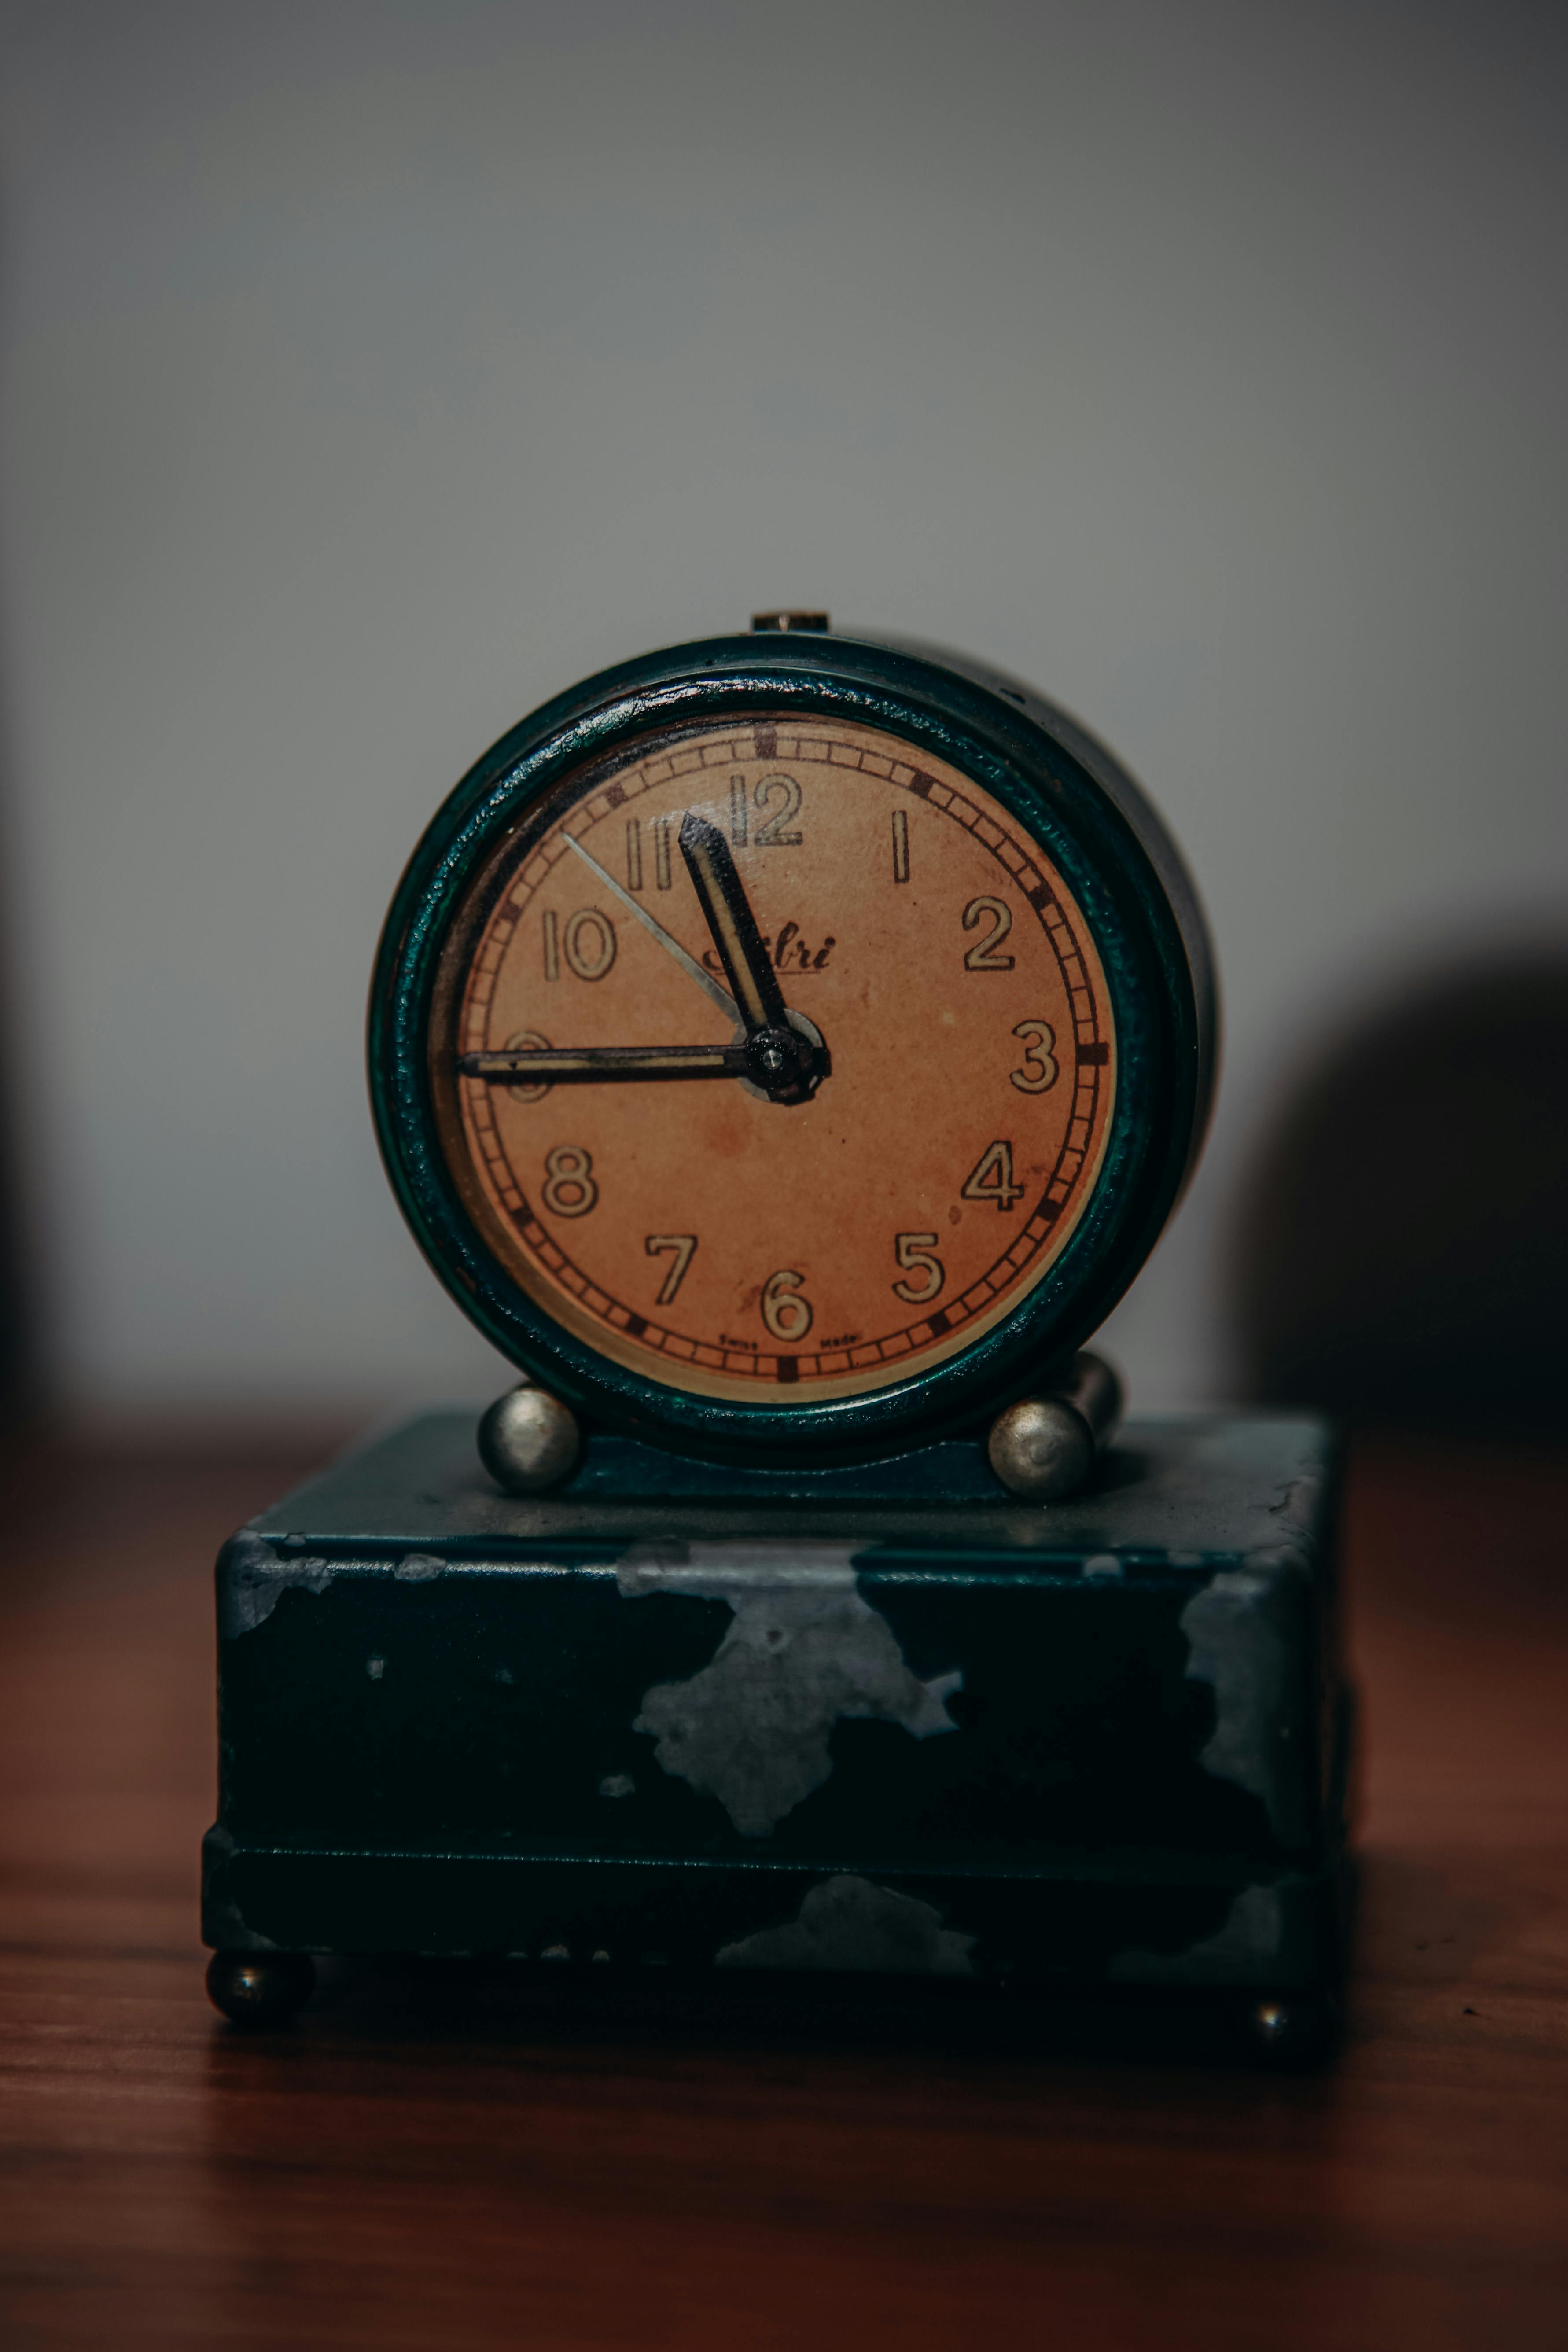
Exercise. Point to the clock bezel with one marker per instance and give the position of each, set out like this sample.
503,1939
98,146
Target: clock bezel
1061,787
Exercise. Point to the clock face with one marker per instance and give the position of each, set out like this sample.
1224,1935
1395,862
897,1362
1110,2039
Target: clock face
774,1061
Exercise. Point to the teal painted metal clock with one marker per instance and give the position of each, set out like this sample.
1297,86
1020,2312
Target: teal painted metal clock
786,1049
969,942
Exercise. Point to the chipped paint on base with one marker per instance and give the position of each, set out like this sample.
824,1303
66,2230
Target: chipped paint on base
852,1924
1249,1949
251,1579
805,1650
1300,1505
223,1928
1247,1644
419,1567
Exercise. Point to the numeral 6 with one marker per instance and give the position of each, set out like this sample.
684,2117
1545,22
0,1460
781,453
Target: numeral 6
786,1313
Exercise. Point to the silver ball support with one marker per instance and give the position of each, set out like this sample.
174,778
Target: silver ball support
256,1989
1287,2031
528,1440
1043,1447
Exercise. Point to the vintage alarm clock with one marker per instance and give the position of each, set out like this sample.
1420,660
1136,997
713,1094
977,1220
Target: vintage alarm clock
788,1046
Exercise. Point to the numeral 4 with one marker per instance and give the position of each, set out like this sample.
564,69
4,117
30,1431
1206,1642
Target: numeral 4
992,1177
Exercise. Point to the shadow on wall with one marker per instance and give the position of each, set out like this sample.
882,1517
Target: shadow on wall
1402,1249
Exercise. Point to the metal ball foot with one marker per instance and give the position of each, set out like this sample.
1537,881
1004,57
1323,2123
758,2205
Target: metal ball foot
257,1989
1043,1447
1286,2031
528,1440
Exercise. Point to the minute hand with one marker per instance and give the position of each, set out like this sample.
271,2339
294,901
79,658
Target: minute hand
587,1064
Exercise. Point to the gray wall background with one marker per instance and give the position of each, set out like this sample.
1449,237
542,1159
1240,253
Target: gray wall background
373,372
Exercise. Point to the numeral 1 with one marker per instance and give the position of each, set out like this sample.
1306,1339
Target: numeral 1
661,825
634,854
738,811
551,947
901,845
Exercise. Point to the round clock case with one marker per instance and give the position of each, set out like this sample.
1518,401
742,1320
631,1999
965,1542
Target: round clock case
920,766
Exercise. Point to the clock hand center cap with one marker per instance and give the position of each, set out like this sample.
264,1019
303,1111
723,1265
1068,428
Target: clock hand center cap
788,1067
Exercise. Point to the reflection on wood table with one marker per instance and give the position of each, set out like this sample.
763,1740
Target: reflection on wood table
436,2158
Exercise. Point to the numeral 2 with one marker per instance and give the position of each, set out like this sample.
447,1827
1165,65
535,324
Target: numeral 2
992,1177
982,956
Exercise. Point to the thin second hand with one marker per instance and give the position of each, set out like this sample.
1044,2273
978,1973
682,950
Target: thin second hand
689,964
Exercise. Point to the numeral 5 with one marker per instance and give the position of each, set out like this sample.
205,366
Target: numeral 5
914,1250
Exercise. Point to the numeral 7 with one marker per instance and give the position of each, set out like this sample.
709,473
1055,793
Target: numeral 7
680,1247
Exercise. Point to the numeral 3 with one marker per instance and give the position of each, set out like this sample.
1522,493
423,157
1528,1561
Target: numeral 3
1040,1070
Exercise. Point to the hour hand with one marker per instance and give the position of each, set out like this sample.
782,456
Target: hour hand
554,1065
787,1064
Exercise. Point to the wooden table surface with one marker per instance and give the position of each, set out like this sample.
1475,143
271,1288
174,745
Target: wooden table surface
431,2165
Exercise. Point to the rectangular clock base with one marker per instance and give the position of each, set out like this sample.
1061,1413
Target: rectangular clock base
896,1724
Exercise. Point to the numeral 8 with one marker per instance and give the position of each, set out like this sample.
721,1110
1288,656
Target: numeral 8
569,1187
